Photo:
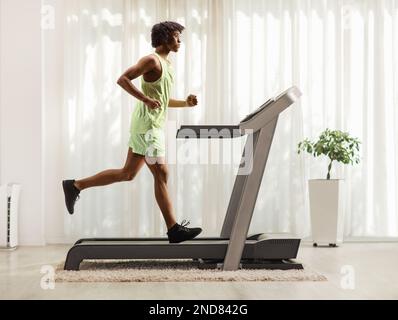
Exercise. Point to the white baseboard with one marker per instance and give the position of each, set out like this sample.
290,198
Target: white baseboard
372,239
361,240
60,240
31,241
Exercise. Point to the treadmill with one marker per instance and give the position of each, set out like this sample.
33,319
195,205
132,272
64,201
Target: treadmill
234,249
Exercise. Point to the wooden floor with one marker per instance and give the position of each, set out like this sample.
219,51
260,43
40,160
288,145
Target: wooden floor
354,271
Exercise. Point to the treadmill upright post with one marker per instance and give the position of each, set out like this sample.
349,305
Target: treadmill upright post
235,198
247,198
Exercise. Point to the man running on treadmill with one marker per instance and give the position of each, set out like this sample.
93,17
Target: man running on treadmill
147,143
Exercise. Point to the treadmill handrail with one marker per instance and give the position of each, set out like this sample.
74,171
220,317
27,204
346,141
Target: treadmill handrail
267,114
251,123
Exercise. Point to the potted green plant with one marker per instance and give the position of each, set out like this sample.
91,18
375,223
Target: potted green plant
327,195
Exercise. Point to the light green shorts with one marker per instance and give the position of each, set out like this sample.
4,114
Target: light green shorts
151,144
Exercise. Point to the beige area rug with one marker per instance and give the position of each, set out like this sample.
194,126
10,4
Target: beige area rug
173,271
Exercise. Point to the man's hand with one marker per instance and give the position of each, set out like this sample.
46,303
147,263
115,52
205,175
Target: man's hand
192,100
152,103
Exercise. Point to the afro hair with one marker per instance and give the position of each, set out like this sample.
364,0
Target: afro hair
162,32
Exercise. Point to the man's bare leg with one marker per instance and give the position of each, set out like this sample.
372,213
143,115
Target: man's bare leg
160,174
176,233
72,188
133,165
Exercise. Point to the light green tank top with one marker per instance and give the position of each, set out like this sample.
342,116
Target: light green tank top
144,118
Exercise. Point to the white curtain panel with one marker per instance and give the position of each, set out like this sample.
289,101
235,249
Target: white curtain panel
342,54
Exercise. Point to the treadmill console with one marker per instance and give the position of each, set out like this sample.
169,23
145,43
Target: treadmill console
253,114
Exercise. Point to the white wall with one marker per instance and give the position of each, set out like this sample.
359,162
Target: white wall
21,147
53,82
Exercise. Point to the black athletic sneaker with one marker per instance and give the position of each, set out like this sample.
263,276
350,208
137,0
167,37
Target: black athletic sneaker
180,232
71,194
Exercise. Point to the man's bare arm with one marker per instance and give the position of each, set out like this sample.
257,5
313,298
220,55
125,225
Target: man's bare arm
191,101
143,66
177,103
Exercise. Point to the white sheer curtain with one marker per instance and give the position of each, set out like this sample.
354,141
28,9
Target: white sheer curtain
236,53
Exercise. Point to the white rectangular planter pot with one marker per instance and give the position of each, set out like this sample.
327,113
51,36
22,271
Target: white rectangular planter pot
327,211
